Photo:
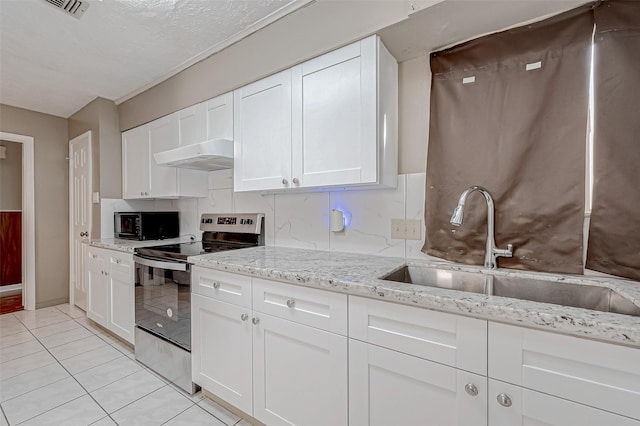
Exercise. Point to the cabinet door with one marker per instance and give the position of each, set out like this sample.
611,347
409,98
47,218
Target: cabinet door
219,117
163,135
262,130
191,125
334,117
299,373
221,350
390,388
135,162
97,291
597,374
529,407
121,296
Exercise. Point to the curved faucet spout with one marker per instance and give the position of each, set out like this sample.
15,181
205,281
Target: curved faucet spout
492,252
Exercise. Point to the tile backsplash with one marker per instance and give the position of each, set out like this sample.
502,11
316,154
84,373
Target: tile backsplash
301,220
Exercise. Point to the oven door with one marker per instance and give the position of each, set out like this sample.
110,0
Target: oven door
163,299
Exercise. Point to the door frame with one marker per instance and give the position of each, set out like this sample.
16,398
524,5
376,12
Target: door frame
28,218
90,210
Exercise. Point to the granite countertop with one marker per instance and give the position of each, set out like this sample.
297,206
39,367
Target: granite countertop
358,274
130,245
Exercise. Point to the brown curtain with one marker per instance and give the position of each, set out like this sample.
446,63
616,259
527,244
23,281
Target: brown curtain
521,134
614,234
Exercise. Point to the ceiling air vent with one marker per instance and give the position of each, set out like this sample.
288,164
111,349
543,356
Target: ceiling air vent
75,8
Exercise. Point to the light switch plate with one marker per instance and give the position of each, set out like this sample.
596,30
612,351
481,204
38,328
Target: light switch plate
413,229
398,231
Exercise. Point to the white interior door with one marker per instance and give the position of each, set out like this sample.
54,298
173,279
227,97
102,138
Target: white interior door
79,214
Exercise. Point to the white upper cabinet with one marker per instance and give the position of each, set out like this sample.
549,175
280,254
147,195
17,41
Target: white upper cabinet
163,135
212,119
334,117
135,162
262,131
219,117
329,121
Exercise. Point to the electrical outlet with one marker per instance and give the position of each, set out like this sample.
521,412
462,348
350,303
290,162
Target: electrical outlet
413,229
398,229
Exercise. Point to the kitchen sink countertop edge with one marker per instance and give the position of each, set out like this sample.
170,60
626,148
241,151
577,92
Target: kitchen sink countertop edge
359,275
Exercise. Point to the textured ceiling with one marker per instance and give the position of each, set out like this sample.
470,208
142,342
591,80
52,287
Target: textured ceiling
54,63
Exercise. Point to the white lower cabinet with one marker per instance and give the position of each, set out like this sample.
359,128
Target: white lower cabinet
290,355
110,291
391,388
221,346
596,374
300,374
280,371
511,405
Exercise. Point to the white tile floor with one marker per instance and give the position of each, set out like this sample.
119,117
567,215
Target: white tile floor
58,368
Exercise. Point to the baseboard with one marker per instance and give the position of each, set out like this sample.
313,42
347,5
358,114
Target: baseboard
53,302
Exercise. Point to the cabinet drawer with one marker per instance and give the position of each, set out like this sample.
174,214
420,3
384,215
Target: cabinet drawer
449,339
224,286
597,374
121,263
317,308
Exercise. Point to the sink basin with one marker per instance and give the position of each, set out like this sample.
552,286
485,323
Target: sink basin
558,293
566,294
441,278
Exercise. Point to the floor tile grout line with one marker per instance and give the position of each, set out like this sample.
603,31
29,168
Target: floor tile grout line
144,396
110,383
71,375
40,387
45,412
188,408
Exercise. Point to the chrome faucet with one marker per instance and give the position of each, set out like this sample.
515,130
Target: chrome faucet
492,252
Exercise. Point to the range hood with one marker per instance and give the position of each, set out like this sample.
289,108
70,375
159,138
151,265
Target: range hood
214,154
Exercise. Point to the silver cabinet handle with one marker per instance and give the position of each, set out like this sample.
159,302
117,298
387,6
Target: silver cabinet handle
291,303
84,234
216,285
244,317
118,261
471,389
504,400
141,192
255,320
146,193
296,181
284,181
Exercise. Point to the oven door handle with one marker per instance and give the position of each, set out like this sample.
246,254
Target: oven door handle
172,266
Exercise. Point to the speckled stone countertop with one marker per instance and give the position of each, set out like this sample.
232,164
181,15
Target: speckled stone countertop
130,245
359,275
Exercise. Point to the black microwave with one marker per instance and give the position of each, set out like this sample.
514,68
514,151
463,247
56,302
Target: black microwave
146,225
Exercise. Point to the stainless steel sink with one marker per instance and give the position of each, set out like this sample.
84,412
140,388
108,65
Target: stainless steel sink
441,278
558,293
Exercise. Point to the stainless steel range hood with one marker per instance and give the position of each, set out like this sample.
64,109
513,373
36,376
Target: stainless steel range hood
214,154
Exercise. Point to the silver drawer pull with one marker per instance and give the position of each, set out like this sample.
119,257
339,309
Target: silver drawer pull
504,400
244,317
291,303
471,389
216,285
255,320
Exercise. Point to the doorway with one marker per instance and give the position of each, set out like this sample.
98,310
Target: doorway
17,221
80,190
10,227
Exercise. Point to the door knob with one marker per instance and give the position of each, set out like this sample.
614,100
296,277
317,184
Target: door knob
255,320
284,181
244,317
296,181
84,234
471,389
291,303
